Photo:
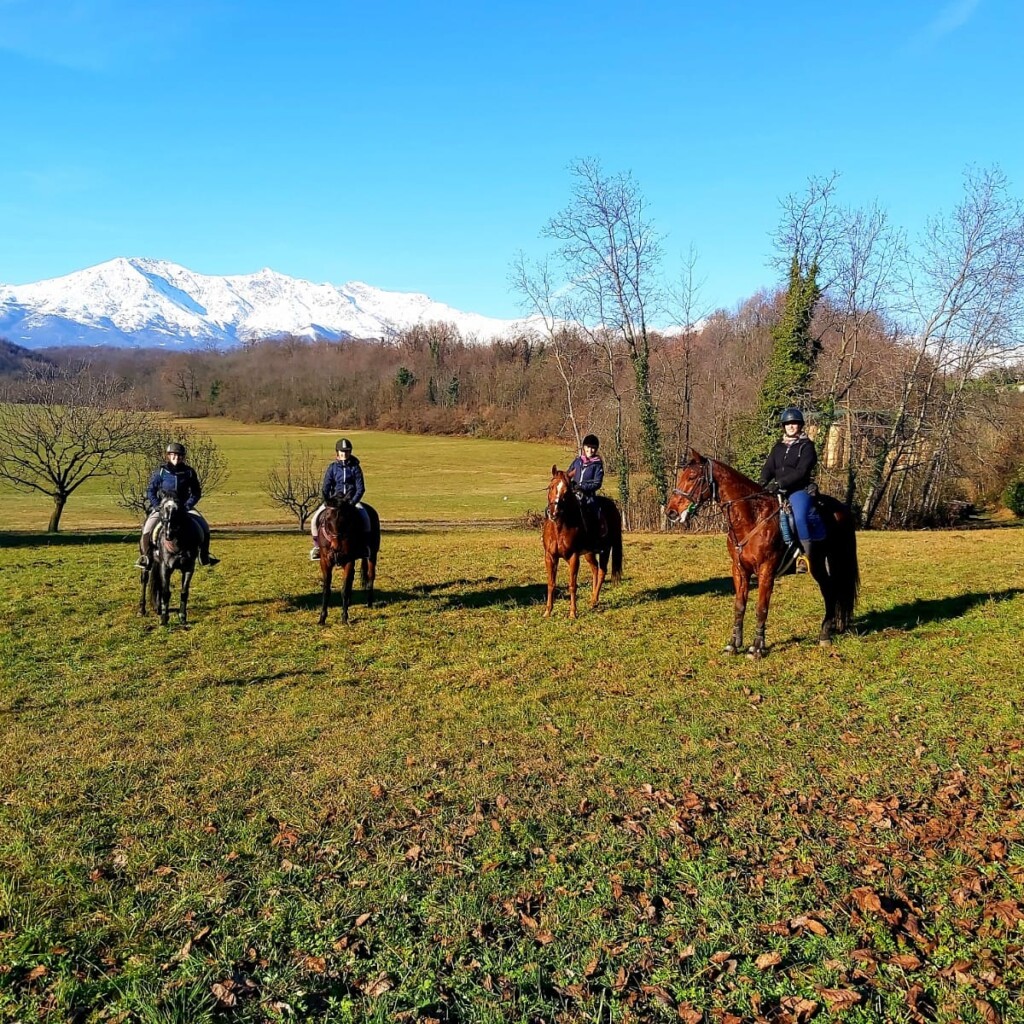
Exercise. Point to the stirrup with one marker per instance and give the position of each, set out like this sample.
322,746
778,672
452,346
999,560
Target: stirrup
143,562
314,554
803,563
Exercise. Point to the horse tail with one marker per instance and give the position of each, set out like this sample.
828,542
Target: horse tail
617,546
842,562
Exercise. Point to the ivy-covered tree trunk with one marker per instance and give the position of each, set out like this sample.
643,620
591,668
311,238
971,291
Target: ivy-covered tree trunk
788,380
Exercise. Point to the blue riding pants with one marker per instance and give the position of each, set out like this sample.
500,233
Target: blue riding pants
808,523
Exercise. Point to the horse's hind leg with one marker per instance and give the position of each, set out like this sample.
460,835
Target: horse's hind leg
597,573
349,571
819,570
145,587
574,572
369,576
165,597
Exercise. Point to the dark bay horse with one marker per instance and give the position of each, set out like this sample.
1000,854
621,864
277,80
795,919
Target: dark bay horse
345,538
566,536
176,542
757,548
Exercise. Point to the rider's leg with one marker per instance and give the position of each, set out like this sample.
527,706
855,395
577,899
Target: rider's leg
205,558
800,502
314,554
146,541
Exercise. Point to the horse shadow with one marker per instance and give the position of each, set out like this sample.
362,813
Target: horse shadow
37,539
910,615
313,599
522,596
718,586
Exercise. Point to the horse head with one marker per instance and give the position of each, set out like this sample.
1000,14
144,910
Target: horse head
559,494
695,485
171,514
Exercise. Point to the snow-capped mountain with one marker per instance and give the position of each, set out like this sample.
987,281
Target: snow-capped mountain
149,303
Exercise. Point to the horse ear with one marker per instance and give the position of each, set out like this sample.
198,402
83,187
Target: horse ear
695,456
554,469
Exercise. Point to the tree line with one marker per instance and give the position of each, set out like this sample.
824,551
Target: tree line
904,355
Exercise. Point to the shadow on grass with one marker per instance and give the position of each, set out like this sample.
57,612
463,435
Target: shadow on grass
55,540
521,596
911,614
719,586
310,601
270,677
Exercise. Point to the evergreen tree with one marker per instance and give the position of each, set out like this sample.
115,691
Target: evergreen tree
790,368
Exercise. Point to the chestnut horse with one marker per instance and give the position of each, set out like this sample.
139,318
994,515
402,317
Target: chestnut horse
345,538
757,548
566,536
176,541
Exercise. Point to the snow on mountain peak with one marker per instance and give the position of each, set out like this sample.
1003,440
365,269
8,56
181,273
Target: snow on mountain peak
142,302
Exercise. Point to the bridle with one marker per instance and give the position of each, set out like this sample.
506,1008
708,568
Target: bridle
707,490
554,508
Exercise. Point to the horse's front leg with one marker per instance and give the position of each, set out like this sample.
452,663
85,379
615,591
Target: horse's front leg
145,587
186,582
765,585
165,596
349,570
574,572
596,577
326,571
741,586
551,563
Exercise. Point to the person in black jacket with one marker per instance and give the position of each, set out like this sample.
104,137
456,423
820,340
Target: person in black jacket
175,477
787,471
342,479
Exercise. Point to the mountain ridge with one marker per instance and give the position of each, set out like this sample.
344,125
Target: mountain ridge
139,302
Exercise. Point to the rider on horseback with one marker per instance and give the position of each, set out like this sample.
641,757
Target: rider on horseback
343,479
586,474
177,479
787,471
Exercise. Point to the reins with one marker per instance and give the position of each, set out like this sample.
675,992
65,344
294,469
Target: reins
709,491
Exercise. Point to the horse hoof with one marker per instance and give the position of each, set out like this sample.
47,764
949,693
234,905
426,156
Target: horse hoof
729,649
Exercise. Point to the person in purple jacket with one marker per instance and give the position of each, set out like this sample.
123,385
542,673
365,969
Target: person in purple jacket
342,479
586,473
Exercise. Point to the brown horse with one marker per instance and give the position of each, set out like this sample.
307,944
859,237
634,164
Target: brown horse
566,536
344,539
757,548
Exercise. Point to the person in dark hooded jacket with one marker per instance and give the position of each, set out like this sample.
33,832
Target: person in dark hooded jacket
177,479
586,474
343,479
787,471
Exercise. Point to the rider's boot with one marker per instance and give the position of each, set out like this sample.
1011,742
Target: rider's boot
205,558
314,553
144,562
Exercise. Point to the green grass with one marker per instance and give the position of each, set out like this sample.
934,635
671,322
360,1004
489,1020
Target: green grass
408,477
455,809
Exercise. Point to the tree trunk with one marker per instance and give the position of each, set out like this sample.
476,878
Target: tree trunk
59,501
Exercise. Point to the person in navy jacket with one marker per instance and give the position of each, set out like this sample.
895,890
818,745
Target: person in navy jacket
342,479
787,471
177,479
586,473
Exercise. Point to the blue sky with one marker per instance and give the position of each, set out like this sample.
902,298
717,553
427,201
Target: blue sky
418,147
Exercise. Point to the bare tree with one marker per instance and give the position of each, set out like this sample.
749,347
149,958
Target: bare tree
294,483
203,455
63,428
610,255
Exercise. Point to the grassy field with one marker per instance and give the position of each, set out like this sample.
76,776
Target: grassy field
457,810
408,477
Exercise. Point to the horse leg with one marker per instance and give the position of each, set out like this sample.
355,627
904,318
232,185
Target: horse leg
369,575
574,572
186,582
145,587
349,570
741,585
551,562
326,573
765,585
819,570
165,595
597,577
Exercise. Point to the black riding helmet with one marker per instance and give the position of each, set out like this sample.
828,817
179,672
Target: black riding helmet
175,449
343,445
791,415
591,441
